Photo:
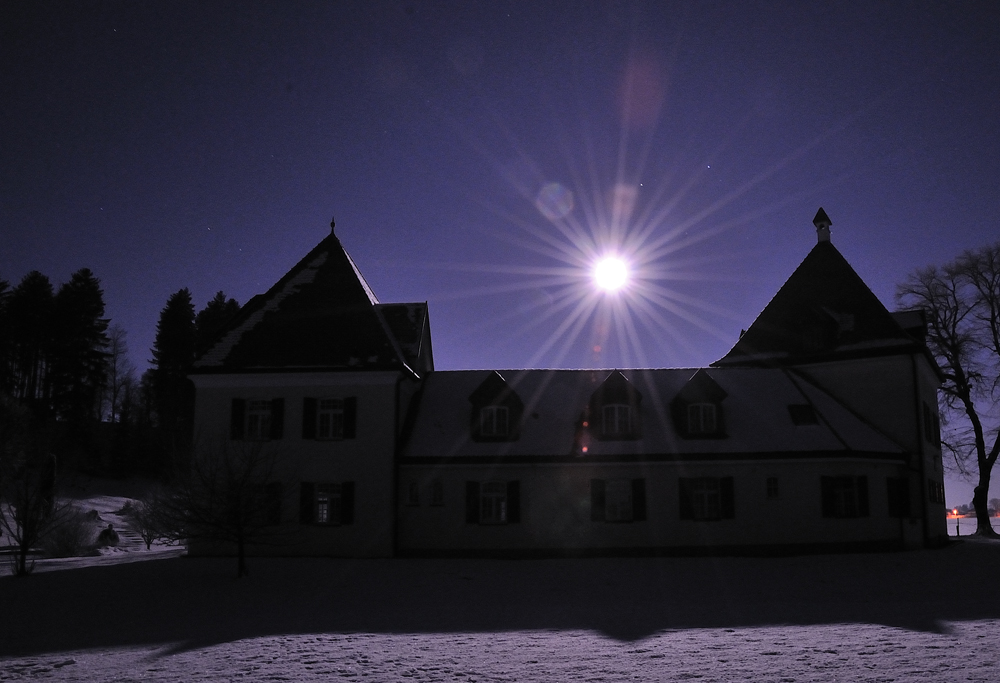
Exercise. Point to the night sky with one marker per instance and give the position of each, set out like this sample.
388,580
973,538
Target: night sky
480,155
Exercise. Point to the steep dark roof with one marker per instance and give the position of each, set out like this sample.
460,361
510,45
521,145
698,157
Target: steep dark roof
823,311
320,315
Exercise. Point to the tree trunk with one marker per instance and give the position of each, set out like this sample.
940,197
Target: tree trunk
983,525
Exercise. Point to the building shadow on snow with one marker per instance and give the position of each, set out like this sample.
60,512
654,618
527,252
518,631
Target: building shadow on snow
195,603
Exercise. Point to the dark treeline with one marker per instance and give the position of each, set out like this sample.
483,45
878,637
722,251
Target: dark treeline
65,371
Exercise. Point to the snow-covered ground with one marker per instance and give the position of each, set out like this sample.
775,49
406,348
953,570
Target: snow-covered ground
914,616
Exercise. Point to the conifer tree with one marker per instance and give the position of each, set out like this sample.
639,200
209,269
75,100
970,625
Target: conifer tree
173,354
79,358
211,320
30,328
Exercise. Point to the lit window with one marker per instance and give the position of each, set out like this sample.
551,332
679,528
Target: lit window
493,421
330,418
328,503
493,503
701,418
617,420
258,420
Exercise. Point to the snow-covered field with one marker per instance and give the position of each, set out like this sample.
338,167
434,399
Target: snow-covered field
915,616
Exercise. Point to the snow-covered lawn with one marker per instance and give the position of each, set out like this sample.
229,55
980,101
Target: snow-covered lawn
915,616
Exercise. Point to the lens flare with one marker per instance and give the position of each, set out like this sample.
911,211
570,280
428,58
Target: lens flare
611,274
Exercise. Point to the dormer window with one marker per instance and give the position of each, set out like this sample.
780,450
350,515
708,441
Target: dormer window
613,413
697,408
496,410
701,418
617,420
493,421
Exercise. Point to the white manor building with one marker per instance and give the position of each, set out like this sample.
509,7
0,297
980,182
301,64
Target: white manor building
817,431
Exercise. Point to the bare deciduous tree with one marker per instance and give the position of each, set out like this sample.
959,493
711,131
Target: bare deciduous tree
28,510
228,496
962,303
120,374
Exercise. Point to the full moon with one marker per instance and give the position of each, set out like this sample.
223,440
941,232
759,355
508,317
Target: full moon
610,273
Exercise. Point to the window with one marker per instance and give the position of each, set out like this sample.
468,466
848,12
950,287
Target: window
329,419
844,497
437,492
935,491
614,410
898,496
617,420
617,500
701,418
932,425
493,421
413,493
329,503
802,414
707,498
492,502
257,419
772,488
496,410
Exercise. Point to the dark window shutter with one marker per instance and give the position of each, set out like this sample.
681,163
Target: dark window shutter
307,502
684,497
597,500
862,489
237,419
277,418
472,502
347,502
308,418
638,500
513,502
827,496
350,416
727,497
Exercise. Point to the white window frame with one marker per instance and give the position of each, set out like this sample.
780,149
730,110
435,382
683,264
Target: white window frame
494,421
616,419
258,420
706,498
330,419
618,500
493,502
702,418
328,504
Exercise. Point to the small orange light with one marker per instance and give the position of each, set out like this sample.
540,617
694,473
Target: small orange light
584,449
586,424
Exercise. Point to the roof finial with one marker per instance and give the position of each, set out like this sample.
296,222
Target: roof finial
333,225
822,223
